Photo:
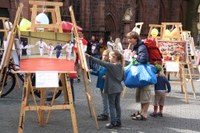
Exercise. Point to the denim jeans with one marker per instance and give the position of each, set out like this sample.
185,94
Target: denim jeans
115,109
105,103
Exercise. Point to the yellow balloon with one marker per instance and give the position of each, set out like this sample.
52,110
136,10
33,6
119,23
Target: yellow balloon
167,33
24,25
154,32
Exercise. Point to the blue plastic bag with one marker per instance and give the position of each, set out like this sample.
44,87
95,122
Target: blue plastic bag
139,75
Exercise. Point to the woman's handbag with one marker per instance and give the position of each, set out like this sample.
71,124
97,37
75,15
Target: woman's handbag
139,75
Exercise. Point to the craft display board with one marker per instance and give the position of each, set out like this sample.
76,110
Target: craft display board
172,50
85,73
46,7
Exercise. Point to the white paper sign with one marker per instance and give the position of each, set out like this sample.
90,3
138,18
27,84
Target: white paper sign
46,79
172,66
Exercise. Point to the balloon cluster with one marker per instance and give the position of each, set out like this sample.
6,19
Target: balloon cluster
41,18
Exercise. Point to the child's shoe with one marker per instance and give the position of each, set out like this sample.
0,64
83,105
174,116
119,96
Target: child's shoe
160,114
154,114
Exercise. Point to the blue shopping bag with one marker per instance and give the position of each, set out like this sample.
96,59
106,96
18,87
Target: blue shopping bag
139,75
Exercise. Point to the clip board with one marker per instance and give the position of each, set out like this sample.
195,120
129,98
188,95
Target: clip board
85,72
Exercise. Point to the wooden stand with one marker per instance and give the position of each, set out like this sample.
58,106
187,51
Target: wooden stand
29,89
174,28
85,72
43,6
182,82
138,27
8,50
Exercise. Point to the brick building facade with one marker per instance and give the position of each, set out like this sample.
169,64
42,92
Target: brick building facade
105,17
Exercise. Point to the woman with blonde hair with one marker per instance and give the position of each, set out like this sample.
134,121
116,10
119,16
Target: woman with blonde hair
118,45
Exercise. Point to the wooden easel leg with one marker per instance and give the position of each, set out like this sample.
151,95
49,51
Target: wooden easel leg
25,96
184,84
86,90
191,80
42,100
17,80
89,98
71,105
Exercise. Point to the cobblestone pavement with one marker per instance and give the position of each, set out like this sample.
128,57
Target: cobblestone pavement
179,117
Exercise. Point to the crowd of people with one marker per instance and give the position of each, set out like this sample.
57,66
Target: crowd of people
106,60
111,74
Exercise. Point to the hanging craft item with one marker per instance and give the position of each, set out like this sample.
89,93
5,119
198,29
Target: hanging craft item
42,18
154,32
68,26
24,25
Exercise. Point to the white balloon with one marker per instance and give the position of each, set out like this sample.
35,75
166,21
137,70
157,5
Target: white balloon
42,18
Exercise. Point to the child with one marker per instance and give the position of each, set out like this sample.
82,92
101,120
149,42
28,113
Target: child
50,49
100,84
28,49
69,47
160,90
113,86
41,45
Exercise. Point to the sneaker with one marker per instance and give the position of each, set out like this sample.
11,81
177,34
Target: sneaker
153,114
119,124
110,125
160,114
102,117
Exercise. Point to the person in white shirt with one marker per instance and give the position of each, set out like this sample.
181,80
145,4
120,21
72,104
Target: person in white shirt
28,49
50,49
41,45
110,44
68,50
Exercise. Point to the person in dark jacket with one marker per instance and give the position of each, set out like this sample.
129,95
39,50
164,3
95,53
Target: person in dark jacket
143,94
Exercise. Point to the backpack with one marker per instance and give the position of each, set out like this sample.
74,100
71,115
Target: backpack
154,52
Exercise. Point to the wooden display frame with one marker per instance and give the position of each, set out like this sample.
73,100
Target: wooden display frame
8,51
3,20
157,26
138,26
173,25
37,6
85,72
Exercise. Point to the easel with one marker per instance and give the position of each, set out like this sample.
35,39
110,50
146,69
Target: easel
64,77
175,29
68,101
159,28
8,50
85,73
178,37
38,6
138,27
